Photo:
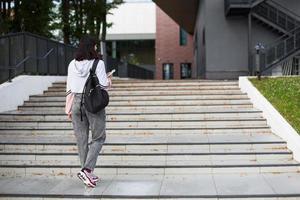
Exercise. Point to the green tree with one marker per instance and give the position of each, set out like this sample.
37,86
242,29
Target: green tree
27,15
79,17
35,16
65,22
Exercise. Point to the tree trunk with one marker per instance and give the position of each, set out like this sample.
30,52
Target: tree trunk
65,20
80,15
16,25
103,35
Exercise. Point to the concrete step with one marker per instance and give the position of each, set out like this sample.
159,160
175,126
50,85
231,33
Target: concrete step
149,98
149,111
161,88
72,157
236,138
140,132
148,160
152,167
181,94
152,103
141,124
138,117
145,109
148,148
162,83
160,92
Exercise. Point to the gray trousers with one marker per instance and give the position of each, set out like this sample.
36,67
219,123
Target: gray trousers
88,152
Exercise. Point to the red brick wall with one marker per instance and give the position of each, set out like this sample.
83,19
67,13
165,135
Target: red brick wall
167,48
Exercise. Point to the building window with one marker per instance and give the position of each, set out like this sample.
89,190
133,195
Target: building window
182,37
186,70
168,71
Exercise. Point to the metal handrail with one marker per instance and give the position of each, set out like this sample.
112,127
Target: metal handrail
35,36
15,67
54,61
25,59
289,12
276,53
271,13
29,53
282,37
283,47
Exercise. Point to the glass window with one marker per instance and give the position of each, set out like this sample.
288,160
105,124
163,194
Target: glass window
182,37
186,70
168,71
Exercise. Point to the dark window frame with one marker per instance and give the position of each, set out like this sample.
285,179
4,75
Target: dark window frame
171,74
189,65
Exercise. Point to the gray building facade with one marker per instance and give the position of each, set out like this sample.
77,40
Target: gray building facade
227,31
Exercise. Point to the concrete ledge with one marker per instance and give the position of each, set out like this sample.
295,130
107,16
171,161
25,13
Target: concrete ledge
275,120
15,93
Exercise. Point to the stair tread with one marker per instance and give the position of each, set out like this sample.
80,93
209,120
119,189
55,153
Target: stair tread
159,186
180,139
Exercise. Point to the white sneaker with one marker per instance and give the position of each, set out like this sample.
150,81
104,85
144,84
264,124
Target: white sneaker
86,178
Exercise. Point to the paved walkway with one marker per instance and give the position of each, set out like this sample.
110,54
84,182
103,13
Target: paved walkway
158,186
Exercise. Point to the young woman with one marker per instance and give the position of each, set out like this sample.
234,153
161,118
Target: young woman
78,72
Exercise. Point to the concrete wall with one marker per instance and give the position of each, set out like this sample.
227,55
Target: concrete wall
15,93
199,54
225,53
226,43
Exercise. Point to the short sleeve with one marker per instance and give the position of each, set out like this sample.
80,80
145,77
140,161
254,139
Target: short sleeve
101,74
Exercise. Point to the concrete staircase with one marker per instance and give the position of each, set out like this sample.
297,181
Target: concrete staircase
165,140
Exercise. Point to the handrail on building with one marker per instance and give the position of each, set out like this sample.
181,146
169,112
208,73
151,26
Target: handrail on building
15,67
278,52
27,53
53,61
284,47
288,11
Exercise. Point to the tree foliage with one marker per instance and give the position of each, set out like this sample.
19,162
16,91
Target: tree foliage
70,18
27,15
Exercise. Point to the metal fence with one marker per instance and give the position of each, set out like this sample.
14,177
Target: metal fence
279,51
134,71
124,69
278,15
26,53
22,53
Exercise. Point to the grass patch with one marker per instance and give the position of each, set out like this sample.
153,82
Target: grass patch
284,94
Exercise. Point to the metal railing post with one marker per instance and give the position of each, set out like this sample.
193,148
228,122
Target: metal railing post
10,75
24,52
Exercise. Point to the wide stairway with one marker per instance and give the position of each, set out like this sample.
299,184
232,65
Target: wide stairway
165,140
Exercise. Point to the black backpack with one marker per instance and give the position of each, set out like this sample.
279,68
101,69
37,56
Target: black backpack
94,97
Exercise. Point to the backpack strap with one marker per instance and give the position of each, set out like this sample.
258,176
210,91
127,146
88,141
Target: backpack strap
95,64
93,70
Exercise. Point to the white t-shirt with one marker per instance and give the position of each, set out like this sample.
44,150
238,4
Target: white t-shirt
78,72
